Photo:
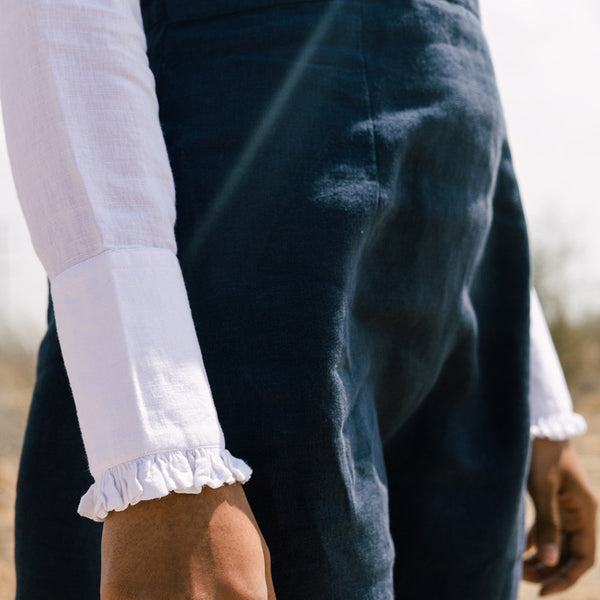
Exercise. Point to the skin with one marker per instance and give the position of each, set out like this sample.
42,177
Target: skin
562,541
203,546
208,546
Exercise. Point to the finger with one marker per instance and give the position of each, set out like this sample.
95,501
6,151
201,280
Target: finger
579,519
536,572
582,546
532,573
547,526
565,577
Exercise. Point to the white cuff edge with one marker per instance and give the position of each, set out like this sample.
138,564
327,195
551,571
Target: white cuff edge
155,475
558,427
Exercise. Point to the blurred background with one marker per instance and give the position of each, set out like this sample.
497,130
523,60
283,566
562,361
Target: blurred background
547,59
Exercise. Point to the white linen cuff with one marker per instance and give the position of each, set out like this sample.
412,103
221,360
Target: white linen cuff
150,477
141,391
558,426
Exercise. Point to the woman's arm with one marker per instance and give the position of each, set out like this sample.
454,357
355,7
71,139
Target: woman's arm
564,532
94,181
93,177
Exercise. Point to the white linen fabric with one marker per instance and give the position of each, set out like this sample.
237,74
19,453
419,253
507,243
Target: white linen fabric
93,177
92,172
550,405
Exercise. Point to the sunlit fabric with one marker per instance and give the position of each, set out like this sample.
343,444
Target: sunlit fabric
351,256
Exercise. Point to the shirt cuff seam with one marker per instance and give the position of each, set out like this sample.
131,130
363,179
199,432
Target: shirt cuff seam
111,250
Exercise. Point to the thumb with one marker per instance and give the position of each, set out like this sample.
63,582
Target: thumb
547,526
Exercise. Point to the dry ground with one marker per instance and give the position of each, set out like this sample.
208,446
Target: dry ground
16,377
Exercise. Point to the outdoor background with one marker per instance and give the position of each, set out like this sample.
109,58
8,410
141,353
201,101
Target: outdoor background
547,58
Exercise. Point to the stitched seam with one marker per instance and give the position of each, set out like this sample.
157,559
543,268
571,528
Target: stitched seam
103,252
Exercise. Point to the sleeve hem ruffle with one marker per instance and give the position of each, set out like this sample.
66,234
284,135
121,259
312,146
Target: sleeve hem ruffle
155,475
558,427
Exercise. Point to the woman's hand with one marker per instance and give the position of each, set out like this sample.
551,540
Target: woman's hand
564,532
193,546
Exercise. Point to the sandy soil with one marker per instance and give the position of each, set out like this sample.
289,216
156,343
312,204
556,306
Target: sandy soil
16,377
15,388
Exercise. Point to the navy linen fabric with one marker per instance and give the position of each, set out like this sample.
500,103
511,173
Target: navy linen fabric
354,250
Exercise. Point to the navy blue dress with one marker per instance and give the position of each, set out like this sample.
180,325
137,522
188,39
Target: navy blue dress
355,254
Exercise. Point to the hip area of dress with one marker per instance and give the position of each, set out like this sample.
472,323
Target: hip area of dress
182,10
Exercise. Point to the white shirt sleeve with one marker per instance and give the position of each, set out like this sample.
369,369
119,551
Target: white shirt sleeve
550,406
93,177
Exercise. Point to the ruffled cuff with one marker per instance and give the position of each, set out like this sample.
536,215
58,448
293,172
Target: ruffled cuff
155,475
558,427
